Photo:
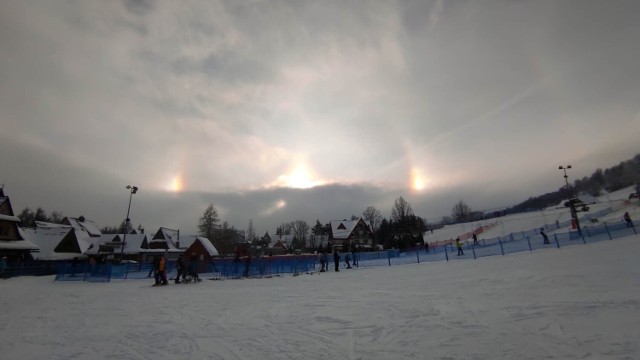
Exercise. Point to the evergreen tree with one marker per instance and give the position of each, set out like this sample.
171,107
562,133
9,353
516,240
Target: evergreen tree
208,222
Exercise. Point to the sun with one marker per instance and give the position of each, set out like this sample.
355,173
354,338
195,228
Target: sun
176,184
418,181
300,178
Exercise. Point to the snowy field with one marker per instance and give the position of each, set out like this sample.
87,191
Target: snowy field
578,302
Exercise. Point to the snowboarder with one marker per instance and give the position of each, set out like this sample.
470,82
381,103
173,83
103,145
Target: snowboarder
627,219
336,259
544,236
475,239
459,246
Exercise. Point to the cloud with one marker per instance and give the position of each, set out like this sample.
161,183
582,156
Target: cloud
234,100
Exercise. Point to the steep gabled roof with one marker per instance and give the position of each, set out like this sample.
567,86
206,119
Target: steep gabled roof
5,204
57,243
206,244
165,239
88,225
342,229
280,244
134,243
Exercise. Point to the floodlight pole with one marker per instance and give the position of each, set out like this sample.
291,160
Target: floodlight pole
133,190
572,206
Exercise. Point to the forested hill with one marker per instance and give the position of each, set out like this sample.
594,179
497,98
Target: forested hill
623,175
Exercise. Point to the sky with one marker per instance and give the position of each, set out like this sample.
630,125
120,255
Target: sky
275,111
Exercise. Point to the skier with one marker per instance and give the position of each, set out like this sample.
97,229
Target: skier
354,257
161,272
544,236
154,267
459,246
179,270
3,266
323,261
627,219
347,259
475,239
336,259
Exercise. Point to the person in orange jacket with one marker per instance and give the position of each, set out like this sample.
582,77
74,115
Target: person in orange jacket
161,273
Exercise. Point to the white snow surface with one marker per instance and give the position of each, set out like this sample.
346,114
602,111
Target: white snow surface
580,301
576,302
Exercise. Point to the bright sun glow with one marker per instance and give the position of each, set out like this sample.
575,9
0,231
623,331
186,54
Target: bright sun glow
418,182
300,177
176,184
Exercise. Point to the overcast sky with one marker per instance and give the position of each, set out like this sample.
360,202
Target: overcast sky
301,110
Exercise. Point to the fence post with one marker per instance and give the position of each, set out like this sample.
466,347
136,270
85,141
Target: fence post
389,257
555,236
608,232
501,248
418,255
634,229
529,242
446,254
473,248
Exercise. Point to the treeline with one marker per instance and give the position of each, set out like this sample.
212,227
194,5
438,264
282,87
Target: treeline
29,217
623,175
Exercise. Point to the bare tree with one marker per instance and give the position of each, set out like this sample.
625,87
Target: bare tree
284,229
401,210
56,217
300,230
461,212
372,215
251,232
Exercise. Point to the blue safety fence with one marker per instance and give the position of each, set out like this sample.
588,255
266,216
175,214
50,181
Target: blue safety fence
267,266
264,266
70,271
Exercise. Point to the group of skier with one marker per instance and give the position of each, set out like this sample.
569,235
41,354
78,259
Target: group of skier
349,256
183,272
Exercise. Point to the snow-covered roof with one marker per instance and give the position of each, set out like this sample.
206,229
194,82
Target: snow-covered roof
18,245
285,239
88,225
50,225
47,239
166,236
9,218
133,244
209,246
341,229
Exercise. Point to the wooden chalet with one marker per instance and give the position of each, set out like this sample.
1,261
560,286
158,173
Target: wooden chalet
347,233
12,245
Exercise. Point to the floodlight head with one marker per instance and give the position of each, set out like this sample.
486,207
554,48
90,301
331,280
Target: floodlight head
568,166
134,189
560,167
128,186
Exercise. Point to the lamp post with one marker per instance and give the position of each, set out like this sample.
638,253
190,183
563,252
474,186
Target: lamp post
132,190
572,206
